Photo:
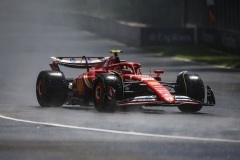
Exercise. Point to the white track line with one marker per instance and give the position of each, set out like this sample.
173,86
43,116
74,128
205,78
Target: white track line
122,132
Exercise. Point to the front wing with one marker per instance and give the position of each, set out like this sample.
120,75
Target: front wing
152,100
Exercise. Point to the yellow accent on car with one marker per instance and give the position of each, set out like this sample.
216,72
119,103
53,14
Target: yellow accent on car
80,87
87,82
153,83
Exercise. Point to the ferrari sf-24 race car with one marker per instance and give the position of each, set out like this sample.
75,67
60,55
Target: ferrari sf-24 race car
110,83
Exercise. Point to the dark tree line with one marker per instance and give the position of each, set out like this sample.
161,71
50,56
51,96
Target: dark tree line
168,13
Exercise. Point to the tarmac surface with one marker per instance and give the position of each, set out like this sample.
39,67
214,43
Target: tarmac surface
32,31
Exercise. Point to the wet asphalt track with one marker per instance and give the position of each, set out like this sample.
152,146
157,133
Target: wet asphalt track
31,31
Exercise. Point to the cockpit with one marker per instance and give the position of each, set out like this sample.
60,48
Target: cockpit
126,68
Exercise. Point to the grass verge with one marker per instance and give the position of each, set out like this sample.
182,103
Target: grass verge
198,54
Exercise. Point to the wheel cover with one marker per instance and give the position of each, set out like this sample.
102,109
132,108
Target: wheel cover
40,88
99,92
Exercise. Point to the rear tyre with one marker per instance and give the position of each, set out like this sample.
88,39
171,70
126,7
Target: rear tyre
190,85
51,88
107,90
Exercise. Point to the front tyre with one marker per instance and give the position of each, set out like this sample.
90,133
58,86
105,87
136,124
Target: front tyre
51,88
107,89
190,85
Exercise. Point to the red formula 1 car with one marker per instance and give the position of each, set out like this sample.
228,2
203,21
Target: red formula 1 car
110,82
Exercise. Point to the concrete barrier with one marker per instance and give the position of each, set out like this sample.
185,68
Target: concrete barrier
219,39
141,35
112,29
167,36
137,34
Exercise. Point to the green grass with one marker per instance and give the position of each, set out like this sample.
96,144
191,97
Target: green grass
198,54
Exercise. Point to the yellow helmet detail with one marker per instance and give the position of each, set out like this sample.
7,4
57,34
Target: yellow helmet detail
115,51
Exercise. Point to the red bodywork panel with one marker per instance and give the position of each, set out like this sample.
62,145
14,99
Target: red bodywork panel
82,86
161,92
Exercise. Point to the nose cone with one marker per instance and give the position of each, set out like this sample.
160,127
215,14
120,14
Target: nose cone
161,91
168,98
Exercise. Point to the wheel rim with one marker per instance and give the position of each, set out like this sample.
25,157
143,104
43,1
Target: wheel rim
40,88
99,93
111,94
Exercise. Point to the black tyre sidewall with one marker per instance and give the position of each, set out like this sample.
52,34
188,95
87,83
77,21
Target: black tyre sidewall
55,89
42,99
190,85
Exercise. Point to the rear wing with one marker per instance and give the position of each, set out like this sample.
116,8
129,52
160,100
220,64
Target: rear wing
76,62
